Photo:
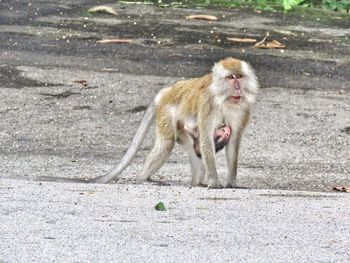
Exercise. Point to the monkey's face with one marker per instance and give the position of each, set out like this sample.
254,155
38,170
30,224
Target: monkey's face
234,81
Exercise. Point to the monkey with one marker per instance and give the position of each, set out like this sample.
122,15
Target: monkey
222,98
226,95
221,137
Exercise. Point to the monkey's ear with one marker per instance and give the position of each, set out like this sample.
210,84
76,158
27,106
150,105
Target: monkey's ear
252,80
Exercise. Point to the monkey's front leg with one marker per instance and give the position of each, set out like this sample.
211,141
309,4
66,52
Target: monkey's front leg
232,150
208,156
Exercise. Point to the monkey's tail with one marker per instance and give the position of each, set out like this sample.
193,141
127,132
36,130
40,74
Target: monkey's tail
134,146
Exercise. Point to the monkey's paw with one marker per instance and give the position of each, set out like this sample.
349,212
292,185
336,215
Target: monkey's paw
215,185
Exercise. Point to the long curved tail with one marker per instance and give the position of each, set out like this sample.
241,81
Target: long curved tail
134,146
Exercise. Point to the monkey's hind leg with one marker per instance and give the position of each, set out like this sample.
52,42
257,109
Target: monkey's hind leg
197,168
156,158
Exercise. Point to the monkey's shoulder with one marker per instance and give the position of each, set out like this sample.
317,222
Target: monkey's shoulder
187,94
193,84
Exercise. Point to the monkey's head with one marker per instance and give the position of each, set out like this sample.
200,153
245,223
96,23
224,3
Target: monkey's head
234,80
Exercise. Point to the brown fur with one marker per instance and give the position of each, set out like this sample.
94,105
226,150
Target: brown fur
232,64
188,95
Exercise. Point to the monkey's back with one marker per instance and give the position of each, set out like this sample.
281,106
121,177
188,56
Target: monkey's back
179,102
188,93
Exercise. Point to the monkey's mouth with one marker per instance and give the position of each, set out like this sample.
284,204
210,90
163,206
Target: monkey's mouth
235,98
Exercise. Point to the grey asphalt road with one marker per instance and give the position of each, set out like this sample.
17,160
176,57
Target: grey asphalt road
59,222
70,106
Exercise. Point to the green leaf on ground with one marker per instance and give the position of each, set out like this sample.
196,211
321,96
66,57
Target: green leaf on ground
160,207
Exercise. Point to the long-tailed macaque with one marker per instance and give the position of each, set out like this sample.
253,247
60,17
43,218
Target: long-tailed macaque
222,98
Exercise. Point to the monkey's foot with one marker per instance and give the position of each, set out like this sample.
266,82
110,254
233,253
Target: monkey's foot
203,185
195,183
214,185
142,180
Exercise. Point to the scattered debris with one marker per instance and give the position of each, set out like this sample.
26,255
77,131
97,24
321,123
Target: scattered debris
201,207
82,192
135,3
138,109
269,44
62,95
342,188
241,40
286,32
109,70
115,41
102,9
318,40
346,130
141,41
163,42
85,107
160,207
218,198
82,82
85,84
203,17
175,55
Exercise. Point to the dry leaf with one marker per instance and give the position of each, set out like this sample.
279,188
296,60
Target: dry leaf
342,188
269,44
82,82
102,9
272,44
202,17
115,41
242,40
175,55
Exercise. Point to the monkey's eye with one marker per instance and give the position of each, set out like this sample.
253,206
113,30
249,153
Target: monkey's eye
235,76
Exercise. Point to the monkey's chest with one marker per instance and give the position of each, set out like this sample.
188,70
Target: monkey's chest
229,115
